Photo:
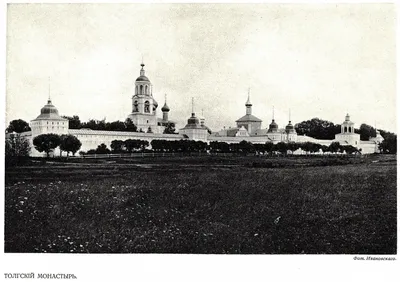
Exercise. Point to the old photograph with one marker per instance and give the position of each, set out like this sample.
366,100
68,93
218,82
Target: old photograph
235,129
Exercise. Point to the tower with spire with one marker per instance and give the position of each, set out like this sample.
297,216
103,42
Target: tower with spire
249,121
144,105
290,131
49,121
273,126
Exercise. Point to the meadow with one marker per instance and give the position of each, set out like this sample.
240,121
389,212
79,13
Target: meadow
236,205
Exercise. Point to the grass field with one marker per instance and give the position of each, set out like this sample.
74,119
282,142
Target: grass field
236,205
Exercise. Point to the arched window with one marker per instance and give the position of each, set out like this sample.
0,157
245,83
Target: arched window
135,106
137,89
147,107
345,129
141,89
146,90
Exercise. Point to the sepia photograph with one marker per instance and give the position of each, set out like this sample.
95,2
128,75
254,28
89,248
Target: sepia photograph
228,130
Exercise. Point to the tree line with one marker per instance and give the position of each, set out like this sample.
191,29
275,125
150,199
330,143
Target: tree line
244,147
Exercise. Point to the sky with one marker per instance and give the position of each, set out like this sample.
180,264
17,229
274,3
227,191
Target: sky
318,60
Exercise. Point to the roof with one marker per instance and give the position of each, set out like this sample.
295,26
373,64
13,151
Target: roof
165,108
49,112
250,118
231,132
142,78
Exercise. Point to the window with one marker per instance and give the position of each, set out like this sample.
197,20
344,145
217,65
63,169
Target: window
141,89
135,106
147,107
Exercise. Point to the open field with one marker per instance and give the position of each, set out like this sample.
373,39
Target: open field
204,205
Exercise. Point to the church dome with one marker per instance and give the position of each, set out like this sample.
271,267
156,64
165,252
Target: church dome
142,76
49,111
273,127
347,120
165,108
289,128
193,119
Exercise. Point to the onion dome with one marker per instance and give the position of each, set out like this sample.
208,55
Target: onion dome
289,128
273,127
248,103
165,108
142,76
193,123
193,119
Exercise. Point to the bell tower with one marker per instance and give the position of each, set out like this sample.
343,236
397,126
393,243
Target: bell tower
144,106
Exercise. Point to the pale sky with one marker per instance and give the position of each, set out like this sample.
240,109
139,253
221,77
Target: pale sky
319,60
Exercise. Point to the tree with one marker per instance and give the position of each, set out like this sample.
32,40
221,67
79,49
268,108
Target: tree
73,122
169,128
389,144
130,126
116,126
292,146
334,147
102,149
324,148
46,142
69,143
18,126
306,146
349,149
245,147
318,128
17,146
117,146
282,147
269,147
366,132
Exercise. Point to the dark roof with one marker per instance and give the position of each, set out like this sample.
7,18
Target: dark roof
142,78
49,111
249,118
165,108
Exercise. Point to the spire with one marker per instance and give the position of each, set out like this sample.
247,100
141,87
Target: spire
142,70
49,99
290,120
192,106
248,103
273,113
165,108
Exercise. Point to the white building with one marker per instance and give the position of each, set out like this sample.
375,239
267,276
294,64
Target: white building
144,116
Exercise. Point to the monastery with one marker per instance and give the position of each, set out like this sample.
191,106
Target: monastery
144,116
